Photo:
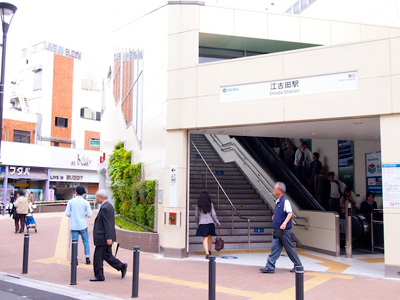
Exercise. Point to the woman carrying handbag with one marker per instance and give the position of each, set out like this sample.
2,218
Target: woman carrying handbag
205,218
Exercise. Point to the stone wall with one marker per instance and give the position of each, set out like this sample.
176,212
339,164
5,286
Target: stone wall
147,241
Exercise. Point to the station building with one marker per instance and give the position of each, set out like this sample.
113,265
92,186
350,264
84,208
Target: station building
51,135
219,72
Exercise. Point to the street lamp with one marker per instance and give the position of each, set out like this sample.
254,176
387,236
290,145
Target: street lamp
7,12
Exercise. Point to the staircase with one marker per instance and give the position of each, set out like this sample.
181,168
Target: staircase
243,196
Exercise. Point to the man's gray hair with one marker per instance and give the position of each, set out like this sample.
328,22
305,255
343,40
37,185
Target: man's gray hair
102,194
281,186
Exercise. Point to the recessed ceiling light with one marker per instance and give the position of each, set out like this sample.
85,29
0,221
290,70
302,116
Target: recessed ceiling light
245,130
357,123
314,133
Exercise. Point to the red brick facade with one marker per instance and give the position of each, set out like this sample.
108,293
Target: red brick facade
10,125
62,97
117,80
91,135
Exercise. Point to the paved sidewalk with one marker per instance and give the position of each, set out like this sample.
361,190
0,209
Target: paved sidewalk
162,278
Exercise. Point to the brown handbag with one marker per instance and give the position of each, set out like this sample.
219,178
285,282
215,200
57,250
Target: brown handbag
219,242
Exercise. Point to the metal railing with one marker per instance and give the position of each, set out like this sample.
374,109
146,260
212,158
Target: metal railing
234,210
256,172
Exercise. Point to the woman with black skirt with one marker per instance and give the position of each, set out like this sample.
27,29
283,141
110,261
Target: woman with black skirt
205,218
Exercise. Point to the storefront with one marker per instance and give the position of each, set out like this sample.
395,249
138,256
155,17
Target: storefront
63,182
24,178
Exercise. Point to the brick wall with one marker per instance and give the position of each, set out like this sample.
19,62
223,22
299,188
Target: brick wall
91,135
62,96
10,125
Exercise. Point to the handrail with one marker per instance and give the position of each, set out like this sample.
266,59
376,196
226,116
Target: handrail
230,146
227,197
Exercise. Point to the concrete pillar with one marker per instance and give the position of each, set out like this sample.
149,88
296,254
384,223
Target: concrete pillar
172,210
390,155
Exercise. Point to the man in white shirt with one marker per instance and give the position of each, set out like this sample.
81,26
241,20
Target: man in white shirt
78,209
302,160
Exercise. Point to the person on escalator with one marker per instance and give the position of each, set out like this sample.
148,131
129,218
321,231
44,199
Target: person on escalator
347,197
287,149
322,188
205,218
302,161
368,206
334,194
316,165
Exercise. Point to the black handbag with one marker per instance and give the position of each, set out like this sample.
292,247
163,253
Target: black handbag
219,242
278,233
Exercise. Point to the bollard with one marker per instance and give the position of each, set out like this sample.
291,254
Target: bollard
349,245
74,260
211,278
26,254
135,277
299,282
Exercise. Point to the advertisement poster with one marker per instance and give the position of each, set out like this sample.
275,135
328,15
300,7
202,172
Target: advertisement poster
374,173
391,185
346,162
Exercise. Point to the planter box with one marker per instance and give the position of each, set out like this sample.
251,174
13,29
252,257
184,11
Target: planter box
147,241
49,208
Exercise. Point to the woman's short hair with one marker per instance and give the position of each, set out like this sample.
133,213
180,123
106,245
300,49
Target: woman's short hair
371,193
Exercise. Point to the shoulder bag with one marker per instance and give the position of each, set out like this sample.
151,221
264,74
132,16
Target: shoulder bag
219,242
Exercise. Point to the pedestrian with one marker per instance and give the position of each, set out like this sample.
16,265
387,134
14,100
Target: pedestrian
368,206
205,218
282,224
334,193
104,236
31,198
78,209
302,161
12,210
22,208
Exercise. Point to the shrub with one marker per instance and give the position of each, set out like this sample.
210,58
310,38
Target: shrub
150,215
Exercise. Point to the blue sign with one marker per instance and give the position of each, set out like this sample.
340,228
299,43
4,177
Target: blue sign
198,156
258,230
219,172
229,257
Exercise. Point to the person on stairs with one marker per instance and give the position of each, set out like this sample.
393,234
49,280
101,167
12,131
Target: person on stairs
205,218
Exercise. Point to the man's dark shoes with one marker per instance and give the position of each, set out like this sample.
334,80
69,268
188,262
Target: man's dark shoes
266,270
96,279
292,270
123,270
87,260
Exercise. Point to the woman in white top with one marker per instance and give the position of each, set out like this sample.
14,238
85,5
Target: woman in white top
205,218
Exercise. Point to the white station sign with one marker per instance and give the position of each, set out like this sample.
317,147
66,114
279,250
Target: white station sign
290,87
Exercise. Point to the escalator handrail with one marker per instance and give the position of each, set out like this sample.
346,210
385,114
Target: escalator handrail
283,166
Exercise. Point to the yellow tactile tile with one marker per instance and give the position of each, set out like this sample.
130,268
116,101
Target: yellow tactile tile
373,260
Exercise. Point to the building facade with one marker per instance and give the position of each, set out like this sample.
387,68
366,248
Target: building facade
51,124
216,70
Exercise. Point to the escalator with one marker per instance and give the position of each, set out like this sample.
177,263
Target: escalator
271,163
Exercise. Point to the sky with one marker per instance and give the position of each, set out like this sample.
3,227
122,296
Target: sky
84,25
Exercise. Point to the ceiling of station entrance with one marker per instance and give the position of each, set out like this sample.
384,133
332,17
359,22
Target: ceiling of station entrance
344,129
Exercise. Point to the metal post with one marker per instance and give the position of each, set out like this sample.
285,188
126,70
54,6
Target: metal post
74,261
348,230
206,178
26,254
135,277
211,278
299,282
218,196
232,220
372,233
248,232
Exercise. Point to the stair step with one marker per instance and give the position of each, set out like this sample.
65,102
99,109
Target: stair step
238,231
243,212
236,219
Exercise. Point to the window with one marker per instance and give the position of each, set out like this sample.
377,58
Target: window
56,144
289,11
303,4
61,122
37,79
94,143
21,136
296,8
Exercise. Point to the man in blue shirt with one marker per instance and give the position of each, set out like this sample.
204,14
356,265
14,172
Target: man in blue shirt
78,209
282,224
